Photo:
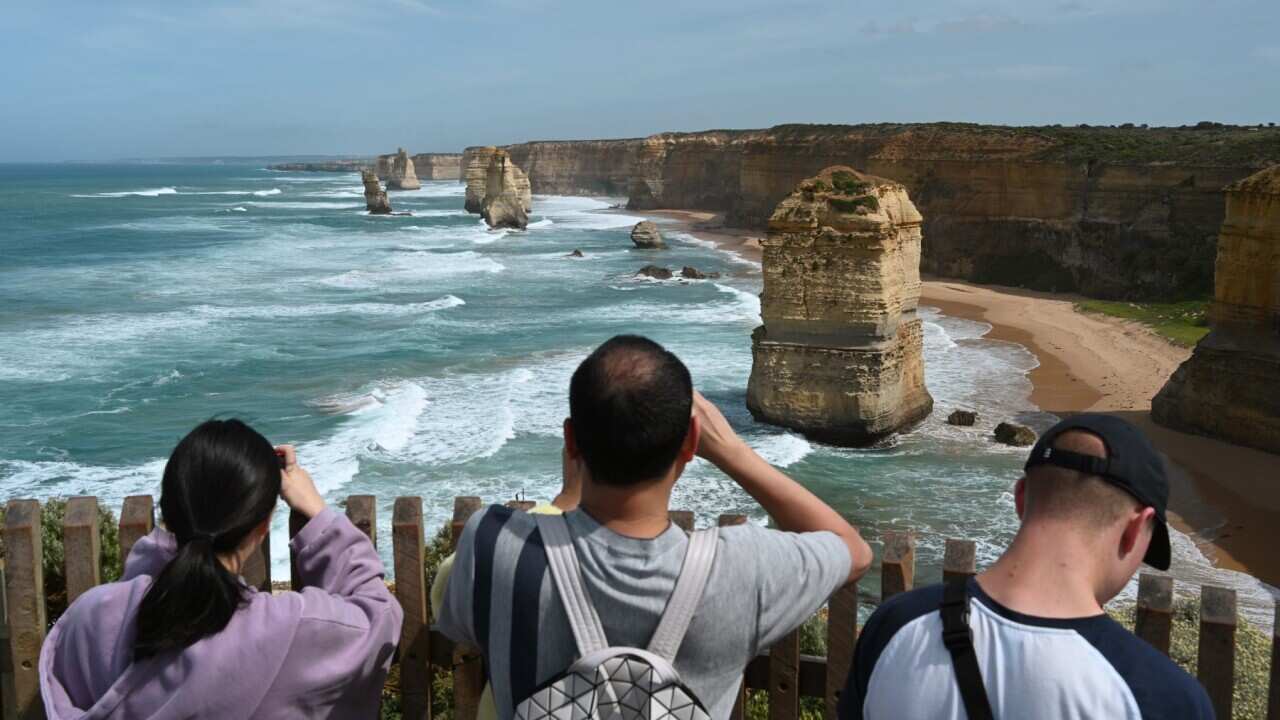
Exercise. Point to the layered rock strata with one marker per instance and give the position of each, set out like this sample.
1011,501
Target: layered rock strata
375,198
1108,212
507,200
1230,386
646,235
840,354
475,163
438,166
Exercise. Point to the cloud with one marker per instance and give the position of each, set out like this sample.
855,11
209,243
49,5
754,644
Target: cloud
980,24
1267,53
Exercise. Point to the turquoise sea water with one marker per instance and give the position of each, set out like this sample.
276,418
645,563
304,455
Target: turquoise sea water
422,354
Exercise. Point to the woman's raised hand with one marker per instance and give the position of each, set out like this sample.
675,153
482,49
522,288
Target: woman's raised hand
296,486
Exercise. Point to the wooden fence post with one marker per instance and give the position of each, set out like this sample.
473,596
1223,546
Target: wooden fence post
412,592
739,704
842,636
1217,657
24,586
959,560
362,511
784,678
1273,702
1153,615
81,546
137,519
468,671
682,519
898,564
257,569
297,521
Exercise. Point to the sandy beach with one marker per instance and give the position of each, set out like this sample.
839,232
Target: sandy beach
1224,496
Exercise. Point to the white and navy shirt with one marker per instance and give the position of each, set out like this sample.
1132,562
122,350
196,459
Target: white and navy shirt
1033,667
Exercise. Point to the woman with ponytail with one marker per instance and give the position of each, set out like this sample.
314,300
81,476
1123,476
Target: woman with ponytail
182,636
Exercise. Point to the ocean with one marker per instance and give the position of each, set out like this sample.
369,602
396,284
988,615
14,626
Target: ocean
426,354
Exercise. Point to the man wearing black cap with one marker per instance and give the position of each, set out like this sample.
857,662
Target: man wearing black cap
1028,638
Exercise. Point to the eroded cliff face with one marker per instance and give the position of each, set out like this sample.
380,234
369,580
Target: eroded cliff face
1051,209
840,354
400,173
438,166
1230,386
475,163
507,200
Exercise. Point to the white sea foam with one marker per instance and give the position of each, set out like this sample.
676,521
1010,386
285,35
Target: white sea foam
151,192
414,267
543,223
303,205
783,449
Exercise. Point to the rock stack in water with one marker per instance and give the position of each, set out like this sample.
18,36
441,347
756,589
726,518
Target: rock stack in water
402,175
507,199
840,354
1230,386
375,198
476,175
645,235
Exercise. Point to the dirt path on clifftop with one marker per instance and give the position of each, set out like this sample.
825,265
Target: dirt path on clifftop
1221,494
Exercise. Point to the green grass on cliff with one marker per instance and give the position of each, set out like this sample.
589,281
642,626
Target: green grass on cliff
1183,323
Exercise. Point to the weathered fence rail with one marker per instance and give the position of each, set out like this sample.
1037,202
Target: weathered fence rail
784,673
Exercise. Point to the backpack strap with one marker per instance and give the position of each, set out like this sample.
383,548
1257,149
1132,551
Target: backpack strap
957,636
562,560
687,593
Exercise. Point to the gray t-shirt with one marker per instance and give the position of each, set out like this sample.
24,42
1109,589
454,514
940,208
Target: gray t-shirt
501,598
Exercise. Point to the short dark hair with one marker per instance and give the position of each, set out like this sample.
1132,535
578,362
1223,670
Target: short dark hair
1064,494
630,403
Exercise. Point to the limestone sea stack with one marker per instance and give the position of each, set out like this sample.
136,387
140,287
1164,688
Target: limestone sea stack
375,198
1230,386
476,175
646,236
840,354
507,200
402,175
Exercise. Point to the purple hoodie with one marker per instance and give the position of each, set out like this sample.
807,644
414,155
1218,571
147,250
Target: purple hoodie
322,652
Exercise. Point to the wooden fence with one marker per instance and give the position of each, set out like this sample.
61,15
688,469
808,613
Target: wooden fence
783,672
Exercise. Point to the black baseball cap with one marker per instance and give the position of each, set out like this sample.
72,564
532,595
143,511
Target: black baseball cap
1132,464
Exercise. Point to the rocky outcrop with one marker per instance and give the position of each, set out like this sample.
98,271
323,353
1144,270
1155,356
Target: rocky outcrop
840,354
645,235
575,254
398,171
655,272
962,418
692,273
375,198
1013,434
480,165
506,202
1108,212
1230,386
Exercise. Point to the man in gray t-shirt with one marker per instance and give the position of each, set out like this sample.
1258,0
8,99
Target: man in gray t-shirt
635,422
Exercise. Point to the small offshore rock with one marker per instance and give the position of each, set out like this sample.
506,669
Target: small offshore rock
375,198
963,418
645,235
655,272
575,254
693,273
1013,434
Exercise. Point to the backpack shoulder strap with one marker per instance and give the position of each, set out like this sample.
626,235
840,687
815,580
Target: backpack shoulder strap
688,591
562,560
958,638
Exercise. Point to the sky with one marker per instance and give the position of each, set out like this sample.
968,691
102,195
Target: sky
137,79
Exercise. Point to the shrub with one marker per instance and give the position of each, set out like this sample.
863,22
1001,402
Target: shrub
849,184
851,205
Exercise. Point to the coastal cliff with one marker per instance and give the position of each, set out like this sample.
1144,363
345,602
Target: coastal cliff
1230,386
475,173
438,166
840,354
1108,212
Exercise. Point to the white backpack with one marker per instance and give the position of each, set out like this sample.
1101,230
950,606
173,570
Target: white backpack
619,683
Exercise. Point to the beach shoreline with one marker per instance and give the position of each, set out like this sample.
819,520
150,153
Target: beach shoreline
1219,496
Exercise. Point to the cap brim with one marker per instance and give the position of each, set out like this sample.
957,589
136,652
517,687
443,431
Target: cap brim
1158,552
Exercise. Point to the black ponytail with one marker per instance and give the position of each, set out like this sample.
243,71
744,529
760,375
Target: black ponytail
220,484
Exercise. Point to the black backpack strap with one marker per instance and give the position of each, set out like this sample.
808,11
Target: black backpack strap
958,638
